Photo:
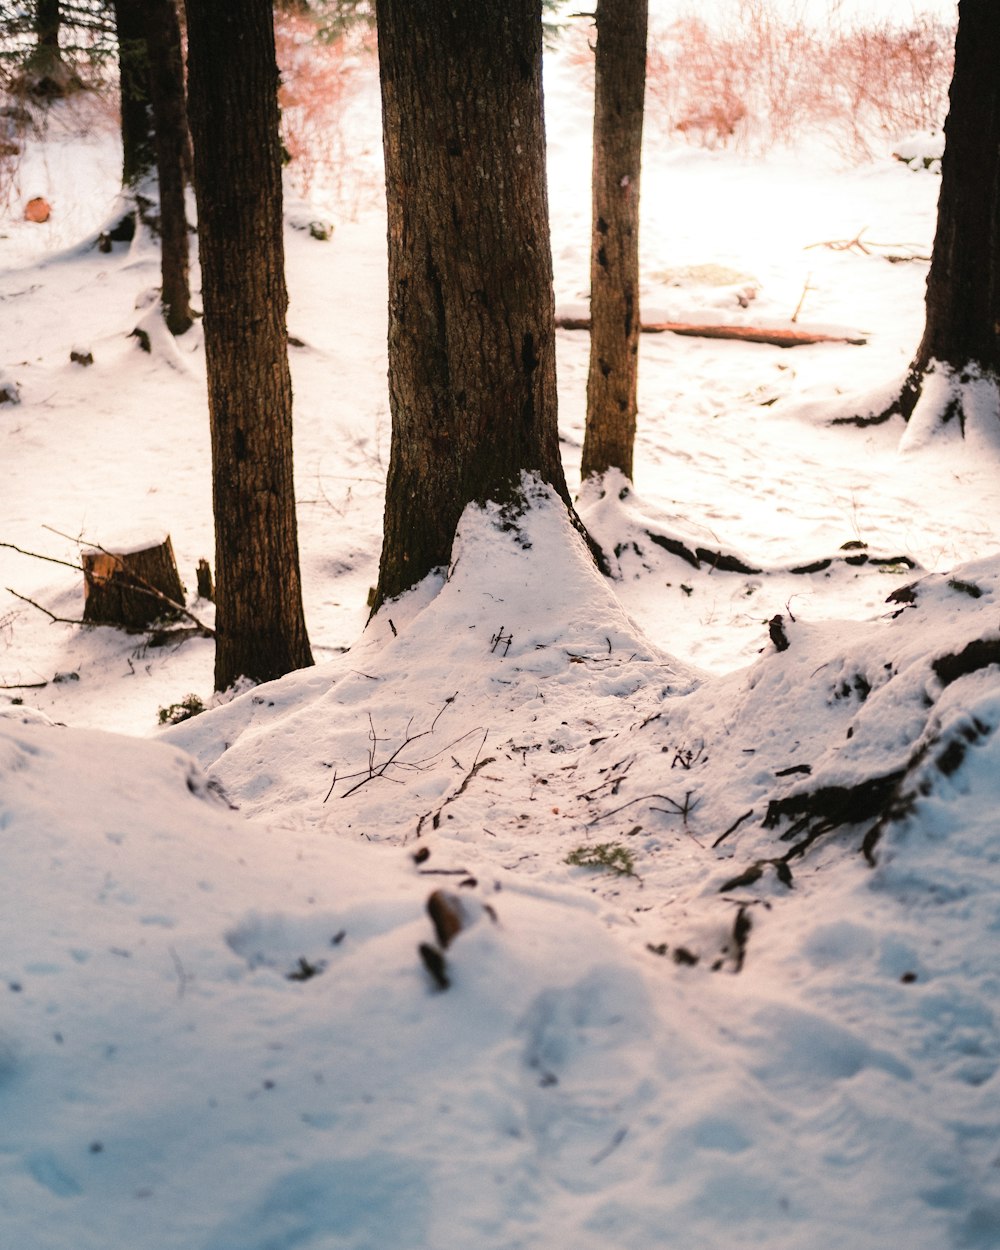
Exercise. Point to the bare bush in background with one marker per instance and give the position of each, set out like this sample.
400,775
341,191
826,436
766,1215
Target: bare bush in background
321,76
767,77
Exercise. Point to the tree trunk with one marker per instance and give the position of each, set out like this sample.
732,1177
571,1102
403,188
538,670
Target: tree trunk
46,74
962,330
138,155
472,383
47,23
619,87
233,108
166,91
120,587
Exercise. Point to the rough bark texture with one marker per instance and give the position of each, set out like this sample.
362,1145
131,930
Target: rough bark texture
619,87
472,382
963,285
119,587
166,92
138,154
233,106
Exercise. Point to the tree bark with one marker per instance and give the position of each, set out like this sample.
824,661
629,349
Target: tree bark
166,92
138,154
233,108
46,73
619,88
962,329
120,586
472,383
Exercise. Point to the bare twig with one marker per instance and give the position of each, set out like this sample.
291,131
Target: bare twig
802,299
732,828
679,809
182,976
374,770
477,764
864,247
35,555
25,685
61,620
614,781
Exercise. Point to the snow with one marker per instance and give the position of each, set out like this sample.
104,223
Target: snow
218,1031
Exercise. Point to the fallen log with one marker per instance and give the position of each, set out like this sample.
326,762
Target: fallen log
773,336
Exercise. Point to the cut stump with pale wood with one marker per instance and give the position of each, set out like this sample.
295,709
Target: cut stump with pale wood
133,588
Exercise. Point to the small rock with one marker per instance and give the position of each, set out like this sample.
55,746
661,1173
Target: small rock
448,915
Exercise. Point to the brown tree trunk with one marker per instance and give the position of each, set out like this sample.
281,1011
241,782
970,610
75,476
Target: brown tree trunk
472,384
962,330
47,24
233,108
133,75
166,91
46,73
619,86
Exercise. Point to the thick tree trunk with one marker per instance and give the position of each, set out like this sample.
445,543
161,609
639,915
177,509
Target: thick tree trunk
233,107
962,329
619,87
166,91
472,384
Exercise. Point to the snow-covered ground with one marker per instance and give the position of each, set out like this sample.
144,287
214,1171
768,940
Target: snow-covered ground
218,1030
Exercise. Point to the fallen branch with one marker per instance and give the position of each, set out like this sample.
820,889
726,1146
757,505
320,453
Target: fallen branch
773,336
980,653
720,560
864,248
60,620
35,555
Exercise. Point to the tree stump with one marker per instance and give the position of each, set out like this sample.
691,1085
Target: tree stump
206,587
133,588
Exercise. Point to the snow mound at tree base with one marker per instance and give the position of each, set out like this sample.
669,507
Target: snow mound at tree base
442,675
220,1033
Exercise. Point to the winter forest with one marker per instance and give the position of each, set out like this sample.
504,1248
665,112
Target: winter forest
499,625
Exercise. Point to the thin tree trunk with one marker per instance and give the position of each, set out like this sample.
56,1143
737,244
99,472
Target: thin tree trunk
166,90
472,384
233,108
620,79
963,285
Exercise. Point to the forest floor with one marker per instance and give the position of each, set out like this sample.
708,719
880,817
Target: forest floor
728,883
